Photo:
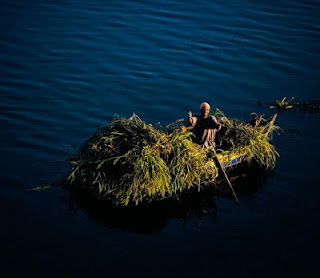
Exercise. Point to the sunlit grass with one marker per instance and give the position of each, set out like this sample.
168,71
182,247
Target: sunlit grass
249,140
311,106
282,104
131,162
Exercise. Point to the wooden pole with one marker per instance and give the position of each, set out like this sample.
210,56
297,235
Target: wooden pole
226,178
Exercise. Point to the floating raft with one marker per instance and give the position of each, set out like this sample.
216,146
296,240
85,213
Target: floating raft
131,162
229,162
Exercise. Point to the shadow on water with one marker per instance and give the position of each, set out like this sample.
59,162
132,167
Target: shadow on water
144,219
248,179
153,217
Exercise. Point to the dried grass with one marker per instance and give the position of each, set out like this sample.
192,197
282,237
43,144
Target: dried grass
131,162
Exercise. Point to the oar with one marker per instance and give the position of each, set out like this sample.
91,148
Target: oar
227,179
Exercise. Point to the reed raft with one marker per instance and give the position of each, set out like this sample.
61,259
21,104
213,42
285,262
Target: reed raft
129,162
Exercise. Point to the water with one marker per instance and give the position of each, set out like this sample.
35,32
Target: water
68,67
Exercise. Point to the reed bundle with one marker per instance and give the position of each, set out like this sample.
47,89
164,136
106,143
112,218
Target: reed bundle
131,162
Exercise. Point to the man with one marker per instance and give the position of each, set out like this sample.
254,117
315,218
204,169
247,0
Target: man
204,126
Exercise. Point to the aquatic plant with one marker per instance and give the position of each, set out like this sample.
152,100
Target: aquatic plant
311,106
283,104
131,162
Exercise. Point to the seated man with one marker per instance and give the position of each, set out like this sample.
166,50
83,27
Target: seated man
205,126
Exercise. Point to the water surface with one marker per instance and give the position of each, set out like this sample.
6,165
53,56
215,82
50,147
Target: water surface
68,67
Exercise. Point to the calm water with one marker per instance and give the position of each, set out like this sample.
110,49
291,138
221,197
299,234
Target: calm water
68,67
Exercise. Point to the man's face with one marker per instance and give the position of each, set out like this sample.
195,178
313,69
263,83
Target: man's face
205,112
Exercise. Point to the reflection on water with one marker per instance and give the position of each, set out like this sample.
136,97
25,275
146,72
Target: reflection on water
153,217
144,219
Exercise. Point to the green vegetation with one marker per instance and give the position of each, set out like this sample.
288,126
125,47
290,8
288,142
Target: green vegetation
131,162
310,106
243,138
282,104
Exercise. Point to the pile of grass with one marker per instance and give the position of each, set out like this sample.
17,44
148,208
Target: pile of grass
131,162
242,138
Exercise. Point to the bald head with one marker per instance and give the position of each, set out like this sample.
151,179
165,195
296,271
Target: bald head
205,109
204,104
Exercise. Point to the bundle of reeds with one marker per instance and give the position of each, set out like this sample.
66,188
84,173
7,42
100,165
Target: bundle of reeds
131,162
253,141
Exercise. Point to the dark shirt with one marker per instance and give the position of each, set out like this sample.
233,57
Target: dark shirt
205,129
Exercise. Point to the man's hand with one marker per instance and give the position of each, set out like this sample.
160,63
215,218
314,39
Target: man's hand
190,117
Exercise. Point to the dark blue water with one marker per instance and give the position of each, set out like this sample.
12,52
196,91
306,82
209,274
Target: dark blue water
68,67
